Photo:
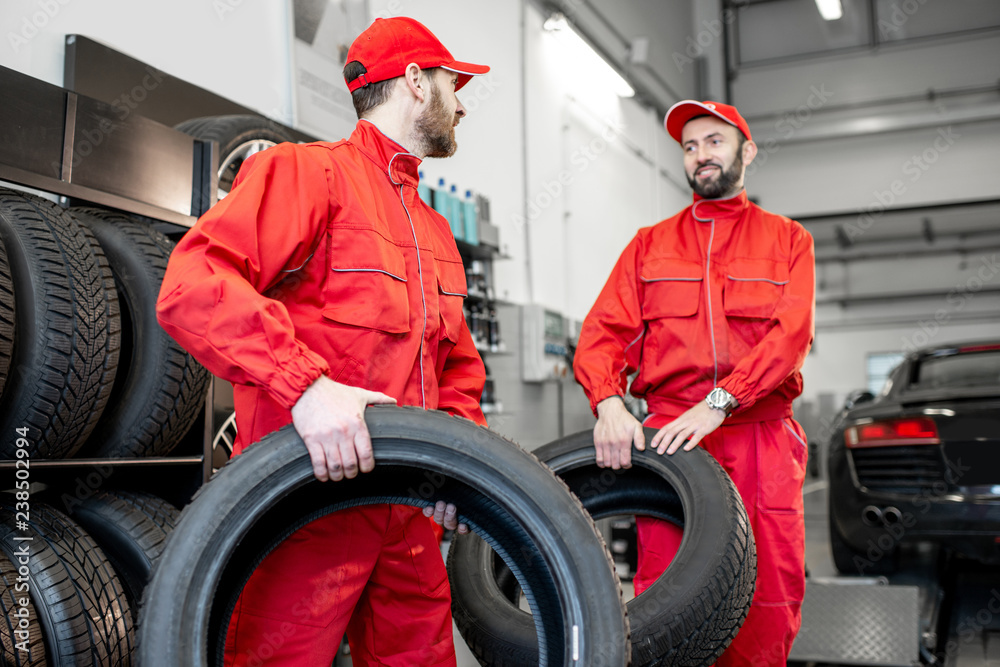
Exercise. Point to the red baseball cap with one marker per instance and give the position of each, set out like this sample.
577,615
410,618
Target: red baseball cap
685,110
389,45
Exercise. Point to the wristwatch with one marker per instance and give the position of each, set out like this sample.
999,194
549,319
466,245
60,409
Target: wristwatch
720,399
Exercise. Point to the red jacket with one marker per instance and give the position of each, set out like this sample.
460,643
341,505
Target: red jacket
721,294
310,266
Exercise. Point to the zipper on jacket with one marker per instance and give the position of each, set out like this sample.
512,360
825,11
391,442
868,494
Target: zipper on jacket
420,274
708,293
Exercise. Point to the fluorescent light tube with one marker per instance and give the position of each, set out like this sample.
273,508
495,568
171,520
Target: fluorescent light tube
583,60
831,10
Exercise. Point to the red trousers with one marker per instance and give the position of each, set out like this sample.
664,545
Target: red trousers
375,572
767,462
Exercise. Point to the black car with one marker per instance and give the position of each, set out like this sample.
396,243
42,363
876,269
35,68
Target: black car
920,462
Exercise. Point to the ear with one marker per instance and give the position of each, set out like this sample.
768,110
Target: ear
415,81
749,151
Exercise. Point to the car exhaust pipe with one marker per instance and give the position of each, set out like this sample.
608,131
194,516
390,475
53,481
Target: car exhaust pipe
871,515
891,516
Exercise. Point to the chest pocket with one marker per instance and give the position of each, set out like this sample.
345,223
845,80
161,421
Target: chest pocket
366,285
754,287
452,291
671,288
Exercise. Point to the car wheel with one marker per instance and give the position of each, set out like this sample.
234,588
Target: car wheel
223,442
239,137
266,493
687,617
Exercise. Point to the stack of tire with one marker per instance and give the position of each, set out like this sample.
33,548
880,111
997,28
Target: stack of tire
85,371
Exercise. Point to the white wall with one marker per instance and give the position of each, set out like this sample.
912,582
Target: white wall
593,173
236,48
836,136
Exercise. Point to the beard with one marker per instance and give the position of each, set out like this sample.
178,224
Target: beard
723,183
436,129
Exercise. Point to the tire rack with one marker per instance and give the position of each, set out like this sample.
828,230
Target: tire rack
89,152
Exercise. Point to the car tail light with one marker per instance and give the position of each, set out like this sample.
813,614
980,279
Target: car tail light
979,348
886,433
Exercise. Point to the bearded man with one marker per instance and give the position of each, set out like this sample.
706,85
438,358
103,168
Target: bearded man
714,308
319,285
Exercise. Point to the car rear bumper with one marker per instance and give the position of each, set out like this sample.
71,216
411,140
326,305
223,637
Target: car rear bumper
870,521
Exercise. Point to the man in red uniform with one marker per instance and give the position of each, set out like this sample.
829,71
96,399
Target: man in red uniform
714,308
319,285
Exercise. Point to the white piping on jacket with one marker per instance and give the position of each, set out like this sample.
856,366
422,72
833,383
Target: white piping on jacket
371,271
759,280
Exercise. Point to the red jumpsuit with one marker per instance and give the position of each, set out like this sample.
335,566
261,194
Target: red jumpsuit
323,260
721,294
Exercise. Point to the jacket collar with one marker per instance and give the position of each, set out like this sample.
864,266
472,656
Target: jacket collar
733,207
398,163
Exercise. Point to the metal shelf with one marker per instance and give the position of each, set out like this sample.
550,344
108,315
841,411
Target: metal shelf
57,141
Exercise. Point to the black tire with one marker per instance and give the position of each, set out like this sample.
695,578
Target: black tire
68,332
21,641
502,492
63,619
131,529
239,136
163,514
109,621
687,617
7,311
850,561
160,390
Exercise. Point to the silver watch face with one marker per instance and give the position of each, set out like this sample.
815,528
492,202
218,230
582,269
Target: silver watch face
719,399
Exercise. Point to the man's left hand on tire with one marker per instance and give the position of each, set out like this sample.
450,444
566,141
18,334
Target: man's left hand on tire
691,426
446,514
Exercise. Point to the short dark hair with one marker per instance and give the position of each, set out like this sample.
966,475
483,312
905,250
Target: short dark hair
367,97
374,94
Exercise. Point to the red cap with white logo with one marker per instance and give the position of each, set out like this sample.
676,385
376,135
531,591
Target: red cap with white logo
389,45
685,110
